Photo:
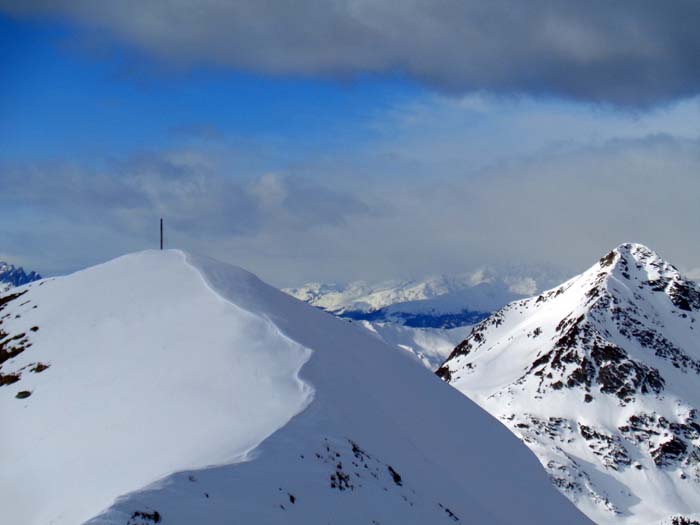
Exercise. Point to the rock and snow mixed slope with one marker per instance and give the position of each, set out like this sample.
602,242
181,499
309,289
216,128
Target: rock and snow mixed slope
601,379
194,393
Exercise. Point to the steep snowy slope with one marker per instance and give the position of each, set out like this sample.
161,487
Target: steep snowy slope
201,395
601,378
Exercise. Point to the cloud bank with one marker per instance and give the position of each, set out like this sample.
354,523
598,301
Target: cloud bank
448,185
633,53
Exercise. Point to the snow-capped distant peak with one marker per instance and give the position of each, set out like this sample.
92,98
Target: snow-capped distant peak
440,301
11,276
361,296
599,377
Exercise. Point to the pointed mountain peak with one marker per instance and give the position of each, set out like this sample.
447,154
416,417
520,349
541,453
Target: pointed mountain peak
631,258
640,268
599,376
634,255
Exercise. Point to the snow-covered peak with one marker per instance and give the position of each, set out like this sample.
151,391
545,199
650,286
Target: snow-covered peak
599,376
635,260
163,387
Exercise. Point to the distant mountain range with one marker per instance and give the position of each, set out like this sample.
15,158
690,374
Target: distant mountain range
600,377
11,276
427,317
434,302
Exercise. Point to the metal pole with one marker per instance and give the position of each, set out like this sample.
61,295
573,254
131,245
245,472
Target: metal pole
161,233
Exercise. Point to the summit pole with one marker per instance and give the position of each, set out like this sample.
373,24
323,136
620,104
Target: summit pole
161,233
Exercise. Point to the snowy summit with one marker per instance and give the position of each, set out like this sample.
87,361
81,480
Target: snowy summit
599,377
167,388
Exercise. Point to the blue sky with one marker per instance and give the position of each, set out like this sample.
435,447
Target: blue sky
59,94
374,150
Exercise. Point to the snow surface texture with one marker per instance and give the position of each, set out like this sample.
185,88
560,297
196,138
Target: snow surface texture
175,381
599,377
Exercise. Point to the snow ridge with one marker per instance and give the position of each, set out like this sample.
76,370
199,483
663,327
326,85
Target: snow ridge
121,374
192,392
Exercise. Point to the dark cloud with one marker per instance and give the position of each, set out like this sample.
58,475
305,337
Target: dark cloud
627,52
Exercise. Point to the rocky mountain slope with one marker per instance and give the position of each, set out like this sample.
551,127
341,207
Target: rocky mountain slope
600,377
167,388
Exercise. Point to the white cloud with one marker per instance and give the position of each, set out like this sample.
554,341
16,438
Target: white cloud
270,190
449,185
693,274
